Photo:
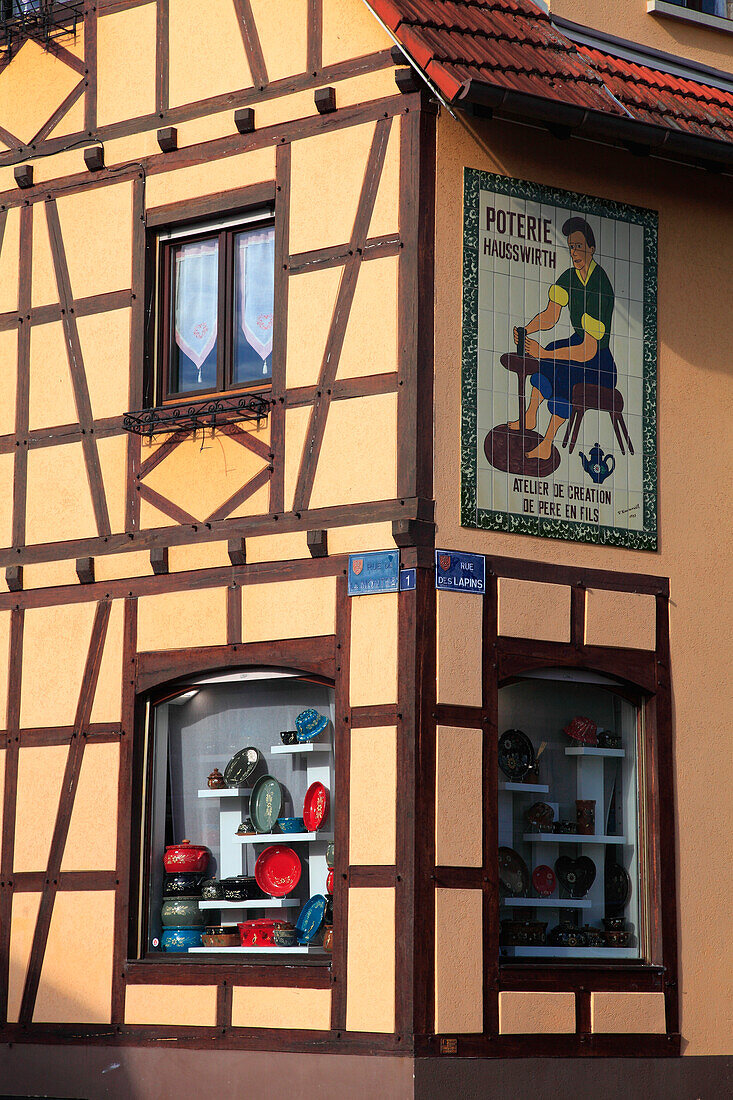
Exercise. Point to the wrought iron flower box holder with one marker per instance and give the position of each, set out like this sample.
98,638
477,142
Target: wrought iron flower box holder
189,416
42,20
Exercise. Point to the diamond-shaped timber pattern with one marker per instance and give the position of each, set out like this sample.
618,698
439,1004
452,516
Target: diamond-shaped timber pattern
32,87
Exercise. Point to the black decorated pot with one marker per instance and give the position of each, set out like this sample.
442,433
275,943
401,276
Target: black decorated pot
182,884
240,888
566,934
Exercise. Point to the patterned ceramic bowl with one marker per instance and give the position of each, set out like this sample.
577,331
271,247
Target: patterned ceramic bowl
180,939
310,724
291,824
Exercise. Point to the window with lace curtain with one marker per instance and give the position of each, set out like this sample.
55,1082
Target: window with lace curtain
215,306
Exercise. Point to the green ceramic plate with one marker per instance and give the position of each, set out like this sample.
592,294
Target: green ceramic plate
265,803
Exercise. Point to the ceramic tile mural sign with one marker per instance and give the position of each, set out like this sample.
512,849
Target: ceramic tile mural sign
460,572
373,572
559,364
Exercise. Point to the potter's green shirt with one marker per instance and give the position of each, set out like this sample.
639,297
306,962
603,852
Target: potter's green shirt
590,304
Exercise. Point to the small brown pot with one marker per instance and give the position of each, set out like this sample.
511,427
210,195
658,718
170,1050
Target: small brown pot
585,813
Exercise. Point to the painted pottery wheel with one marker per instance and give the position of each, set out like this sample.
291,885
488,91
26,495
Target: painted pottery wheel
513,873
576,875
507,450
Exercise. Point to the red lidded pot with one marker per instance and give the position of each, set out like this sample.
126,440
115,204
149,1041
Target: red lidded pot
186,857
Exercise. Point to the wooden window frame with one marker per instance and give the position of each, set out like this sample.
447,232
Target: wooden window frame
196,220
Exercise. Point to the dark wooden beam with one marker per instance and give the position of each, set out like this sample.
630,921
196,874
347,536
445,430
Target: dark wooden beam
168,139
159,560
244,120
14,578
23,174
318,543
325,100
94,158
85,570
237,550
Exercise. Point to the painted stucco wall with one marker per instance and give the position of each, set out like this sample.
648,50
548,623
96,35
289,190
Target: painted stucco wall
695,285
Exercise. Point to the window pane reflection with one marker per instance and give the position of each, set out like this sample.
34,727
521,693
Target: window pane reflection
254,266
195,288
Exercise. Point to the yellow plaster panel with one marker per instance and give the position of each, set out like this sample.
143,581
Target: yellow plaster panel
61,164
368,86
50,574
178,620
285,108
289,609
76,982
625,619
55,645
113,463
323,202
91,844
40,775
458,814
302,1009
6,498
372,837
9,260
4,664
200,476
8,378
374,632
126,64
628,1013
283,547
283,33
371,348
51,399
202,555
367,536
22,927
107,705
105,346
207,128
536,1013
179,1005
125,149
296,425
357,428
311,299
72,122
59,502
97,231
256,505
151,517
370,978
51,80
458,961
257,166
111,567
459,648
531,610
44,289
207,56
350,30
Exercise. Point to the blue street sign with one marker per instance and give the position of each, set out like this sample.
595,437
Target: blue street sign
460,572
408,580
376,571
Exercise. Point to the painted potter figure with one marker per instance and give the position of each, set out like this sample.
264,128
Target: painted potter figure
586,357
596,465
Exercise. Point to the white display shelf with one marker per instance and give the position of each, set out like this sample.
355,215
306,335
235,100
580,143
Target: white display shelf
280,838
306,949
547,903
225,792
259,903
525,788
572,838
565,952
587,750
308,746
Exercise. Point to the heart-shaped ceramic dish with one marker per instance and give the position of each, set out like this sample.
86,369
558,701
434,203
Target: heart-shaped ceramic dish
576,875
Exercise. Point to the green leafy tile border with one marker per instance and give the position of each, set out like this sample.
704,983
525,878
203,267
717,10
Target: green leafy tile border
472,516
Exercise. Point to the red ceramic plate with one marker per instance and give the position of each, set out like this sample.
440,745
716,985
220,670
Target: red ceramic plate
277,870
329,881
315,807
544,880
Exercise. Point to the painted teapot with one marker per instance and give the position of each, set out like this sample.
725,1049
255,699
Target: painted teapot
597,465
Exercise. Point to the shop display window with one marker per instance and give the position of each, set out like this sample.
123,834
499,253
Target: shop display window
238,838
570,818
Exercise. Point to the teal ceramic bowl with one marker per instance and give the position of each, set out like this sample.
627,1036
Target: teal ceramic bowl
291,824
180,939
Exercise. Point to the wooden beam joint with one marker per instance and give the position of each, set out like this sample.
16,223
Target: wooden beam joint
244,120
168,139
237,550
23,174
94,158
14,578
325,100
159,560
85,570
318,543
413,532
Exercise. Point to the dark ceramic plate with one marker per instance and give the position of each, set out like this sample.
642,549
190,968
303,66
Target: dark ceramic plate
618,885
241,766
576,875
516,754
513,873
265,803
544,880
541,816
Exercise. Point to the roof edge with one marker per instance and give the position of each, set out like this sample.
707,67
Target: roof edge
641,136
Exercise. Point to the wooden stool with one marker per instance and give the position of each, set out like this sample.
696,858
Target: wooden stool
597,397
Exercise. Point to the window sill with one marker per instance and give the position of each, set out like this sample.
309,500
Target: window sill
215,412
674,11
